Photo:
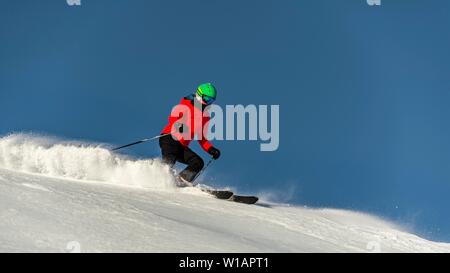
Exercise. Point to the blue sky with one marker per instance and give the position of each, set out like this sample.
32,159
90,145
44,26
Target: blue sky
363,91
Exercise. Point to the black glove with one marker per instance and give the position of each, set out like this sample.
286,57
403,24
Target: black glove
214,152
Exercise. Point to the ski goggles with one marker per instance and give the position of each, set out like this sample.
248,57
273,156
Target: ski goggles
207,99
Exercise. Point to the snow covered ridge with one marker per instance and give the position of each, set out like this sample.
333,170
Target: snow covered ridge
44,214
83,161
45,208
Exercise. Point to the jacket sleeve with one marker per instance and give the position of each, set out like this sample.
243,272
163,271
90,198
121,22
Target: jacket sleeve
203,141
177,121
176,116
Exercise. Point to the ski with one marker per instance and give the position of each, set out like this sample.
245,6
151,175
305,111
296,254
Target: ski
230,196
220,194
250,200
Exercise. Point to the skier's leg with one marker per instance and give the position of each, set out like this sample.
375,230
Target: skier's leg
195,164
171,150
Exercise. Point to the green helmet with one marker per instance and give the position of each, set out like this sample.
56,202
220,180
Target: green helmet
207,92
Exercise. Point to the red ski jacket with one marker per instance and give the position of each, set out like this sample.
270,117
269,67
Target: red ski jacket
192,120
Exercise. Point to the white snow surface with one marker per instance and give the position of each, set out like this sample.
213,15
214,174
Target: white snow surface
58,196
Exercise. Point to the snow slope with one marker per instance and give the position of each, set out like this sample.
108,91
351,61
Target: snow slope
58,197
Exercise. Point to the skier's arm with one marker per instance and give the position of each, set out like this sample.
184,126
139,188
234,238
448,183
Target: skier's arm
203,141
205,144
176,119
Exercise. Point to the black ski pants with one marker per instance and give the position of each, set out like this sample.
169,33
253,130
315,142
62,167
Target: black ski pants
172,152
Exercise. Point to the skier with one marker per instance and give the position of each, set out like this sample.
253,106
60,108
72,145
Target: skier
182,128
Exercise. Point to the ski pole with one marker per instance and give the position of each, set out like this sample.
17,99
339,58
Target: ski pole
139,142
204,168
